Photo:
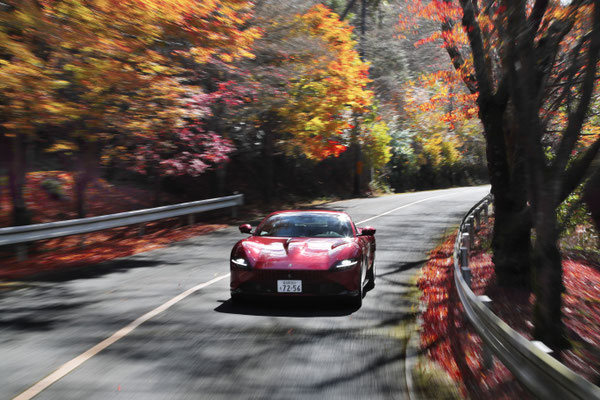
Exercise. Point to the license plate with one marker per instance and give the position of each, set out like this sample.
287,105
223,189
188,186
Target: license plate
289,286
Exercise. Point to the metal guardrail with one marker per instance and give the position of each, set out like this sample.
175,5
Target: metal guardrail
30,233
541,374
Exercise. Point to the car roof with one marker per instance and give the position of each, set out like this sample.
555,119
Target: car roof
330,212
308,212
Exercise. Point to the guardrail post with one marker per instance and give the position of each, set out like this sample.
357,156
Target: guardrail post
234,212
487,356
468,229
485,206
191,219
466,240
477,219
469,226
464,265
541,346
22,252
141,229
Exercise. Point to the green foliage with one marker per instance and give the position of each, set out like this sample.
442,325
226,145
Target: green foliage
403,167
379,186
54,188
577,229
376,144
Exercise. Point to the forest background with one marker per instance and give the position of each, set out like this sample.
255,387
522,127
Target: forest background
277,100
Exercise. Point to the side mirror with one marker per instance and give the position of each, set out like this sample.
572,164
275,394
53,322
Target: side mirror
246,228
368,231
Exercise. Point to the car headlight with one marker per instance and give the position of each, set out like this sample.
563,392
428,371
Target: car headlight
240,262
345,264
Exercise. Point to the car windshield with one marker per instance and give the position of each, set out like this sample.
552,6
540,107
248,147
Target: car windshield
323,225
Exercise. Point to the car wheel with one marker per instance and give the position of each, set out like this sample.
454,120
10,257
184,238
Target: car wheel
356,301
371,277
236,297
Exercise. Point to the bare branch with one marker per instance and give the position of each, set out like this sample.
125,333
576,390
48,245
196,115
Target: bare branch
537,14
479,58
547,50
577,118
578,169
457,59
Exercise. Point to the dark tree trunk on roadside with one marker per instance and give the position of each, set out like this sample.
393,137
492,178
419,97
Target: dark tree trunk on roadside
549,286
521,84
17,170
549,180
511,243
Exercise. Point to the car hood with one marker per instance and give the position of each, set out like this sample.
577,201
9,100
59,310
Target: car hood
297,253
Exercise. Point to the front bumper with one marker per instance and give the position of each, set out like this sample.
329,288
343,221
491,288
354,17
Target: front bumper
314,282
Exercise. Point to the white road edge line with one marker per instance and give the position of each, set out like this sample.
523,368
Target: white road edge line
408,205
83,357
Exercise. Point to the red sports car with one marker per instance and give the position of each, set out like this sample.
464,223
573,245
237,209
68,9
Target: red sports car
304,253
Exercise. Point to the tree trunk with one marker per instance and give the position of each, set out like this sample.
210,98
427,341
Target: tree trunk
357,164
87,171
158,179
17,169
221,177
358,170
511,241
268,165
547,315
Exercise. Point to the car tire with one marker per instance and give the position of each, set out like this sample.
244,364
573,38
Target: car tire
356,301
236,298
371,277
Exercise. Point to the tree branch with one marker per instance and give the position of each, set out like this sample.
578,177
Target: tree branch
577,118
576,172
474,34
546,51
457,59
349,6
536,16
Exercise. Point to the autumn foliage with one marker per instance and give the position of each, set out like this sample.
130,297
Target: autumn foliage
172,88
448,337
330,88
532,66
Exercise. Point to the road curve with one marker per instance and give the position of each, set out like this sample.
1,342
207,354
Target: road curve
200,345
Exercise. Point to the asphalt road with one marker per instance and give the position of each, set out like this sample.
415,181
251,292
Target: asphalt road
205,347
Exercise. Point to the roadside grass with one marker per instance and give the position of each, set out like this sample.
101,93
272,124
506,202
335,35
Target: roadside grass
449,341
429,379
433,382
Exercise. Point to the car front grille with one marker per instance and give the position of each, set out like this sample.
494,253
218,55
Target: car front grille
270,275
